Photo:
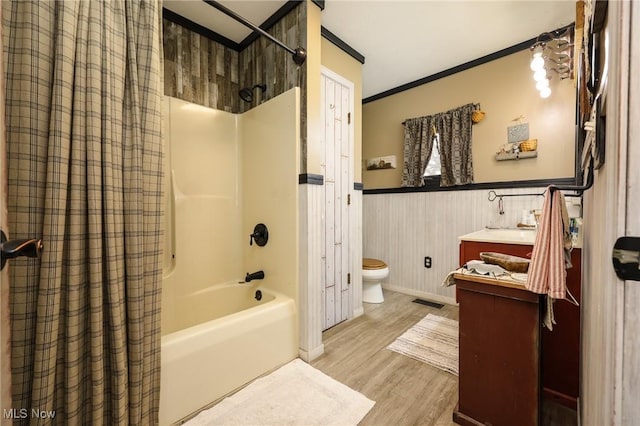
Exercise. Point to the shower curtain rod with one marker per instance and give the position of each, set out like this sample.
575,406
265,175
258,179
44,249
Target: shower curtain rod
299,54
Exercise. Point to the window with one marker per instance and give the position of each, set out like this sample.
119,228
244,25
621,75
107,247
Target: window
433,166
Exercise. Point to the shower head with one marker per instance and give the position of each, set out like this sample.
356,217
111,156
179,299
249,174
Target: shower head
246,94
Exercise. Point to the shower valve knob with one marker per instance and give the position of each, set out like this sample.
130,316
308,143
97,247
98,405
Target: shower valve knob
260,235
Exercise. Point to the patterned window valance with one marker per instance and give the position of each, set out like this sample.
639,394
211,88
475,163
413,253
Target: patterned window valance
454,128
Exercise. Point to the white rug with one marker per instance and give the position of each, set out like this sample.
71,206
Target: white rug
295,394
433,340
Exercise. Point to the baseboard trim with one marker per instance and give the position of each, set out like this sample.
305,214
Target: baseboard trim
421,294
358,311
308,356
560,398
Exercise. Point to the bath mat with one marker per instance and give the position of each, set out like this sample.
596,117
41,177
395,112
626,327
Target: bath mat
433,340
295,394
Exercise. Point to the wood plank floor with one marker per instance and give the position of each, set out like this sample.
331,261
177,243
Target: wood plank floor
406,391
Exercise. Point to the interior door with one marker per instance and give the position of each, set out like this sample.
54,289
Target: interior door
337,104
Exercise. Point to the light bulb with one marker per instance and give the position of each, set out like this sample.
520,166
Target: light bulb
545,92
537,62
541,74
542,84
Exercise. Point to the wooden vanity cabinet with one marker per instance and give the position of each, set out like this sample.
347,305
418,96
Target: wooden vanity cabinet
560,347
499,365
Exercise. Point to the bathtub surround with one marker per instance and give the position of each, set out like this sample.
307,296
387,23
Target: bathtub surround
204,202
85,165
404,228
228,172
270,150
296,393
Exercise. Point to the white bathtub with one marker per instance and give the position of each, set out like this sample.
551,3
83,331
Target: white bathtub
220,339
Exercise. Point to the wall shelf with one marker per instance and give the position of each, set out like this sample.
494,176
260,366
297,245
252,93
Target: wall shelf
516,156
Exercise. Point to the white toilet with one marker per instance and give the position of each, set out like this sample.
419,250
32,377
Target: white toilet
373,272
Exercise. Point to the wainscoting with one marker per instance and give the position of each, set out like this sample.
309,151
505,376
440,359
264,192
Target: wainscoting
356,256
311,225
310,202
402,229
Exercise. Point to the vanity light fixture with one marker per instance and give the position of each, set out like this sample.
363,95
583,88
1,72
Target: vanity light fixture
552,51
537,61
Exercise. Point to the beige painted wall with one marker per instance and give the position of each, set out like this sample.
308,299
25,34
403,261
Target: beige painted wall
505,90
341,63
314,148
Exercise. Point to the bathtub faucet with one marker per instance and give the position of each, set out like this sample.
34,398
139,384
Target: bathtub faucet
255,276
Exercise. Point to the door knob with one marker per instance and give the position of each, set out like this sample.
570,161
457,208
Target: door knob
626,258
10,249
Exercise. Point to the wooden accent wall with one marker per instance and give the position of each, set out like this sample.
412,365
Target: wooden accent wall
264,62
199,70
202,71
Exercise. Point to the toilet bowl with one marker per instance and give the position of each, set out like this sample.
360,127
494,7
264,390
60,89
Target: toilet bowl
373,272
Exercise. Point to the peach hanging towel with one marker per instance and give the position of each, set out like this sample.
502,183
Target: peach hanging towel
551,253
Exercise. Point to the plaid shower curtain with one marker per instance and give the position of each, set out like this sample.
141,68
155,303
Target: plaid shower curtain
83,111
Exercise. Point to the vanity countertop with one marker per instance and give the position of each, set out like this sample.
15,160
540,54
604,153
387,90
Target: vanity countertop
502,281
503,235
521,236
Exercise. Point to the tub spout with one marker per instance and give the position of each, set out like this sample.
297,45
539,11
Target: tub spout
255,276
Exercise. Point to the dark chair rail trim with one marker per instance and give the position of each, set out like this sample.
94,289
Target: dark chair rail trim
475,186
310,179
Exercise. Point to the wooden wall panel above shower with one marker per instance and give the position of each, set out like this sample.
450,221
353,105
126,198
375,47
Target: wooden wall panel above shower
199,70
263,62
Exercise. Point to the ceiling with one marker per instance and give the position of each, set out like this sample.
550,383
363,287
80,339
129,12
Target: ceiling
403,41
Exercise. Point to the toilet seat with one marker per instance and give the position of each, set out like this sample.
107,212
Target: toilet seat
373,272
372,264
